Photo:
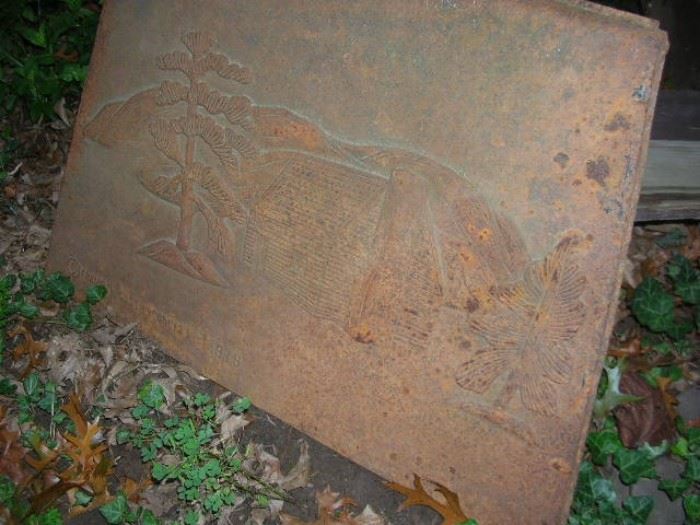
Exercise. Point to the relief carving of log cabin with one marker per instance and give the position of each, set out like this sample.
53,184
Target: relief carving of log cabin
375,239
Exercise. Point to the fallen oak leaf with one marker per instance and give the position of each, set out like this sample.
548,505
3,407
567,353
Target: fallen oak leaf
450,510
28,347
11,452
89,467
332,510
300,474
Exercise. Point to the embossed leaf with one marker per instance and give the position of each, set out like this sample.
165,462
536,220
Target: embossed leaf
235,108
165,187
171,92
527,333
166,140
224,203
197,42
177,61
223,67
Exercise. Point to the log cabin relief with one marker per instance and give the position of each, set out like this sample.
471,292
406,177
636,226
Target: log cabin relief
377,240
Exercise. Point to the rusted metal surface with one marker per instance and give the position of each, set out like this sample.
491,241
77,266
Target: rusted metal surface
397,225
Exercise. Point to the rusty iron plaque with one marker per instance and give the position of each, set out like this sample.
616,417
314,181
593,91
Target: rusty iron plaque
398,225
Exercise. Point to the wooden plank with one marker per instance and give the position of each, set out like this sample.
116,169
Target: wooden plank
671,185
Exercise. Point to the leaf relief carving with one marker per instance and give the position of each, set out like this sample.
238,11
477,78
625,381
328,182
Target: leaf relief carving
235,108
176,61
222,201
525,336
171,92
167,188
198,43
166,140
223,67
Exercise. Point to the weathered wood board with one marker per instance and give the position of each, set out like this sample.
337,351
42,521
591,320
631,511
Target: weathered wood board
397,225
671,183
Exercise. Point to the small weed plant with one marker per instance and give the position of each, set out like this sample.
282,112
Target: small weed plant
209,474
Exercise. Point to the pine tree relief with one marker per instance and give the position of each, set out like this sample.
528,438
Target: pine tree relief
196,187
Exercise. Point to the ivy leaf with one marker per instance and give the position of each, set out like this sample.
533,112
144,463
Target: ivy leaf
602,444
633,465
116,511
674,488
95,293
7,388
50,517
653,306
694,439
639,507
680,448
28,310
592,488
686,279
79,318
59,288
148,518
673,239
7,490
691,504
677,330
692,469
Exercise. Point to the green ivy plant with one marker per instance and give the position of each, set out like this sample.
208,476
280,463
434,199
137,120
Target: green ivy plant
662,308
44,52
654,305
208,475
21,297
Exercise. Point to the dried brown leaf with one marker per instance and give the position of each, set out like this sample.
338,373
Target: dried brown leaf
450,509
28,348
647,421
12,452
300,474
334,510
